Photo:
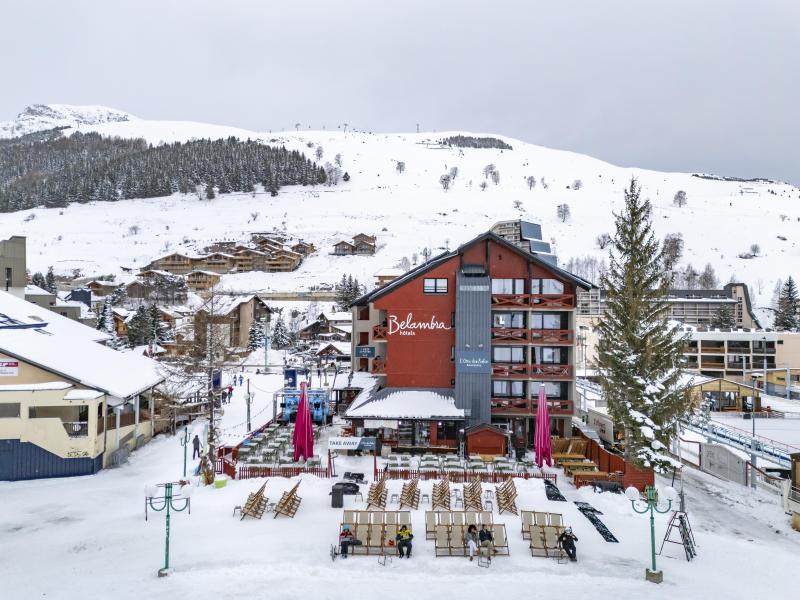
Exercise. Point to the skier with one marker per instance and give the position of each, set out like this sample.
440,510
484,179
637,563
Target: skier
567,541
241,379
196,446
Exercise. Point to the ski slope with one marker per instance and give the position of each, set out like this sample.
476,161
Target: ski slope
410,211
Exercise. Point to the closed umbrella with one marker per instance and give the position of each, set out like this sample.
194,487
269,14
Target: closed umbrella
303,440
542,444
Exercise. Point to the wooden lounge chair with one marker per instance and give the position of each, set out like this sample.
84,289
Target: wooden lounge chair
500,539
442,541
537,544
255,505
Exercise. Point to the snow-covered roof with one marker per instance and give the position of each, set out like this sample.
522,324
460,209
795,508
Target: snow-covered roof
406,403
334,317
83,361
203,272
28,312
348,329
223,305
25,387
365,381
35,290
82,395
389,272
341,347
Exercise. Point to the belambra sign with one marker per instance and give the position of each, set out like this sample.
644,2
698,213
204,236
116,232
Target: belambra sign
410,325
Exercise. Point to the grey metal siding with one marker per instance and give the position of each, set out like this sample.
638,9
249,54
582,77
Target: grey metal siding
23,460
473,338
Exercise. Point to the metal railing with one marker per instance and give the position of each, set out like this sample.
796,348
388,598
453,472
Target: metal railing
76,428
772,450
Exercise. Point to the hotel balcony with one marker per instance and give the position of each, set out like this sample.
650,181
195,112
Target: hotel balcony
379,366
548,301
502,335
550,371
552,336
379,333
523,406
510,370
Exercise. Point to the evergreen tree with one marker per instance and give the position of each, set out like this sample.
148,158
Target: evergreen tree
639,353
255,339
50,281
787,312
347,291
724,318
108,326
140,328
160,331
39,280
280,334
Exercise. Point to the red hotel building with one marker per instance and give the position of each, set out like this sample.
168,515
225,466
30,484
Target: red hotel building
480,327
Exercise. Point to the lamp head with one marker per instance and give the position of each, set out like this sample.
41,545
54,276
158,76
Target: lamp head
632,494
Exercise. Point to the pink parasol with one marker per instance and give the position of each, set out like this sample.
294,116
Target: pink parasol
542,444
303,440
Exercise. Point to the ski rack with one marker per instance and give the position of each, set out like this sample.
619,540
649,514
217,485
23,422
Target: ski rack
680,521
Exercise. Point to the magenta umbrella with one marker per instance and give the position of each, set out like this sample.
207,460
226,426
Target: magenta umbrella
542,444
303,439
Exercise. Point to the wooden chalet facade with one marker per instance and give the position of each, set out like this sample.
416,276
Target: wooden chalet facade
362,244
201,281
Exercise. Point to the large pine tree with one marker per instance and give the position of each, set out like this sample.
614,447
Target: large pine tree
787,312
724,318
280,334
639,352
255,339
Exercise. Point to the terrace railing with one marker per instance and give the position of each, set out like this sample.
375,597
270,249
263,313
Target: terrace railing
552,336
379,333
513,370
551,371
511,335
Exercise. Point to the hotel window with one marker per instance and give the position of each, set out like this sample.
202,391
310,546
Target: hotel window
543,320
508,320
545,355
546,286
434,286
508,286
508,354
508,389
553,389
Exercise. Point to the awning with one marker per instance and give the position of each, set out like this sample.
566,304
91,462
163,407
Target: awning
405,403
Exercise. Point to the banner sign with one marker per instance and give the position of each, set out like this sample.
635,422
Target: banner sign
473,361
9,368
365,351
351,443
380,424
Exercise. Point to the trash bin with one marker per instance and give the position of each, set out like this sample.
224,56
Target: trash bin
520,453
337,497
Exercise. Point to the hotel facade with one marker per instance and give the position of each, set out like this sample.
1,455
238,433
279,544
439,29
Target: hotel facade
467,339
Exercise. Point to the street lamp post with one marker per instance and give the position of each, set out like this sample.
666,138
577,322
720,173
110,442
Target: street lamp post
266,342
649,503
249,400
185,444
168,502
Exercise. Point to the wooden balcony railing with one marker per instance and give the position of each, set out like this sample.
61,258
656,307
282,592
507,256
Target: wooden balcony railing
552,300
379,366
379,333
516,370
523,406
510,300
504,334
551,371
552,336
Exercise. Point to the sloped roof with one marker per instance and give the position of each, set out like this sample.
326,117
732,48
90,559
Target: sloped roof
445,256
406,403
28,312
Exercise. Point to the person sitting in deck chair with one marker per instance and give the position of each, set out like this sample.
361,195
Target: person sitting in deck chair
487,540
567,541
404,537
471,540
347,539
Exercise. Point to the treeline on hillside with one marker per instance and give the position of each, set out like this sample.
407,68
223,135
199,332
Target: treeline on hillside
89,167
468,141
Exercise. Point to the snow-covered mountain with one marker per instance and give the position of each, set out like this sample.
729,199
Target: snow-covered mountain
409,211
39,117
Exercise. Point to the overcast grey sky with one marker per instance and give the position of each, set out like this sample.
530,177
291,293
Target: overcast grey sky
684,85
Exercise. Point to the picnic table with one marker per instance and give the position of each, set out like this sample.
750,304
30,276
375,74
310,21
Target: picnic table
578,466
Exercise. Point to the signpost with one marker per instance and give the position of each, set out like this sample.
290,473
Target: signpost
365,351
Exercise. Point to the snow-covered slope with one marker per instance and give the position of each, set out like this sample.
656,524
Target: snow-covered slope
410,211
39,117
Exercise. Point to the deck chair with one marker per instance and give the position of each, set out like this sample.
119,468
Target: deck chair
349,517
430,524
486,518
445,518
375,537
537,545
458,518
390,518
551,544
500,540
540,518
556,520
471,516
527,521
442,541
457,547
403,518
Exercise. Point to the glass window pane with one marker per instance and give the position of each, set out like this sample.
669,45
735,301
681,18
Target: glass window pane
551,321
429,286
518,389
